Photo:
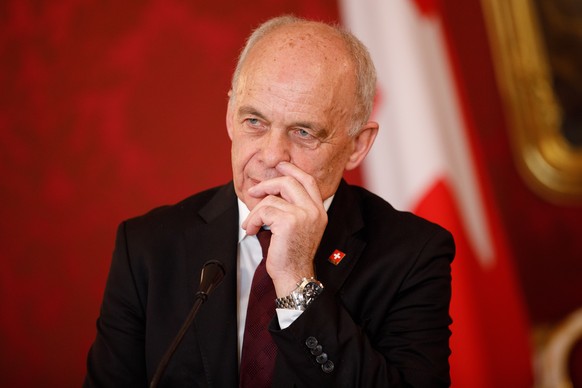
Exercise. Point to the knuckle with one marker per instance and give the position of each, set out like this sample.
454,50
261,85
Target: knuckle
310,180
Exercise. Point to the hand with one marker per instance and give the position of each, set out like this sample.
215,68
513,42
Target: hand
293,209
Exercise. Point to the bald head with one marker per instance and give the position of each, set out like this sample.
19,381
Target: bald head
288,48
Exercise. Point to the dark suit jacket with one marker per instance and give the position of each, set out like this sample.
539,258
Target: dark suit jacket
382,319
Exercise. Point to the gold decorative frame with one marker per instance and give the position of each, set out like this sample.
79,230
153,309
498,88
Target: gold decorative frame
549,163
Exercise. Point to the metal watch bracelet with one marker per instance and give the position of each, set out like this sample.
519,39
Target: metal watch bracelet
300,298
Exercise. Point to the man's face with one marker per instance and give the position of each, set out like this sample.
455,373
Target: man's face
293,103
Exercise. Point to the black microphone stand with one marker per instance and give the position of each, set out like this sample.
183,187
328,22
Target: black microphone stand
211,276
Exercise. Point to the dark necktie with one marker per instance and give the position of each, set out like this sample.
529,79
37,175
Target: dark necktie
258,350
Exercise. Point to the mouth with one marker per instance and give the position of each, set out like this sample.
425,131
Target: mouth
263,176
254,182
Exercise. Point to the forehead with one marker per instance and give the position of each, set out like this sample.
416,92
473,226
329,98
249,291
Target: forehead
303,47
300,63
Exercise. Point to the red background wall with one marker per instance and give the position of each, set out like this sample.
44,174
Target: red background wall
110,108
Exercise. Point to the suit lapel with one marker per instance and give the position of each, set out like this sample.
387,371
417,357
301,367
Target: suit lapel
344,222
216,323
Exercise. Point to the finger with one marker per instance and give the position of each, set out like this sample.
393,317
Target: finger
252,224
306,180
265,213
285,187
290,189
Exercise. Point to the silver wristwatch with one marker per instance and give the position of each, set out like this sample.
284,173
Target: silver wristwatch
307,290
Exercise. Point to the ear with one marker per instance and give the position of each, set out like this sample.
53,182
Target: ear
229,115
362,142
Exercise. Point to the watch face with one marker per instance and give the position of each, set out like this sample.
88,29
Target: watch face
311,290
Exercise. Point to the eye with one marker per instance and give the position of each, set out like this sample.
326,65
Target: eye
303,133
305,137
254,124
253,121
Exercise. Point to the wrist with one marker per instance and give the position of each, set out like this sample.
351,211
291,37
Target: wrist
302,295
286,283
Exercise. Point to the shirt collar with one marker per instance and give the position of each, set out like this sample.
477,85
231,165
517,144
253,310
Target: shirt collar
243,213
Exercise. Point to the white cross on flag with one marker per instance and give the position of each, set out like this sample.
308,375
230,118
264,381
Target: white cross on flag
336,257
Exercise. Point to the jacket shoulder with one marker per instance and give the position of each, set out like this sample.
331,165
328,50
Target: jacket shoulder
186,212
380,215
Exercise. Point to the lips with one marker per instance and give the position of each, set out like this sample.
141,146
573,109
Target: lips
254,182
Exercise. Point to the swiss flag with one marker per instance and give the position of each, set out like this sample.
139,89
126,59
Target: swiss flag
423,161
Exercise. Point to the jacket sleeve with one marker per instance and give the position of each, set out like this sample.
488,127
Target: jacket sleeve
388,326
117,356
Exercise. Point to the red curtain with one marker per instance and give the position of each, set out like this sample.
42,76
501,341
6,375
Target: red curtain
107,109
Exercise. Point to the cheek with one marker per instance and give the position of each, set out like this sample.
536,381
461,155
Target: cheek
326,170
336,162
236,155
242,151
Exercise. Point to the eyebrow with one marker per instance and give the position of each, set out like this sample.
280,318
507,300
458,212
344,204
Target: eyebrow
249,110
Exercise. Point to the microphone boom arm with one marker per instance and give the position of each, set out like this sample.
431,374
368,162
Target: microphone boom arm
210,277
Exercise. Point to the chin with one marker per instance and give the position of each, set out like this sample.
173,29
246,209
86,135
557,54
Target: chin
250,202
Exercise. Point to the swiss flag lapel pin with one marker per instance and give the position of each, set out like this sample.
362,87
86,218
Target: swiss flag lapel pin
336,257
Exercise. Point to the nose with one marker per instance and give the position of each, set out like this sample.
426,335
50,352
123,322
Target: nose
275,148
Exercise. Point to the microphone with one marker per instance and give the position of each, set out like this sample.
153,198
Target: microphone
210,277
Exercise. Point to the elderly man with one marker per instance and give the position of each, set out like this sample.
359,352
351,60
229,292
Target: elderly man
354,293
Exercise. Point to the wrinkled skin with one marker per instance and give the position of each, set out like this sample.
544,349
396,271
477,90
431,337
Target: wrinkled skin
288,119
